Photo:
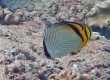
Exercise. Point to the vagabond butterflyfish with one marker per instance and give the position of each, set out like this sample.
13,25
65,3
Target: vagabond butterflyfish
65,37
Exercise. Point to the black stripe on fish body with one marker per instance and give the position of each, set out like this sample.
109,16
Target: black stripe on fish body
78,24
76,30
70,23
45,50
87,33
90,31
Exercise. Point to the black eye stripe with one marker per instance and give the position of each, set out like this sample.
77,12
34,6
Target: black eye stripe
76,30
45,50
90,32
86,34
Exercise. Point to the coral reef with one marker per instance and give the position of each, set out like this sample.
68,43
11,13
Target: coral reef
20,45
99,15
17,60
7,17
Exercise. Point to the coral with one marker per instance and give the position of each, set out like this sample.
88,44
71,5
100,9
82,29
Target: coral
99,15
68,75
10,18
13,18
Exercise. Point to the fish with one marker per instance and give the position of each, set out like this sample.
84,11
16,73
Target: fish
63,38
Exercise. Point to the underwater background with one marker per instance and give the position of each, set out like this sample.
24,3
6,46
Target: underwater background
22,24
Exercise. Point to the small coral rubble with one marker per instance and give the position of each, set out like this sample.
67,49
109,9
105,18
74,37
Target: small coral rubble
67,75
99,15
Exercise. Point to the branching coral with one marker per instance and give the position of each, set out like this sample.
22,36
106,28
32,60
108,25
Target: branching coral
68,75
99,15
7,17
